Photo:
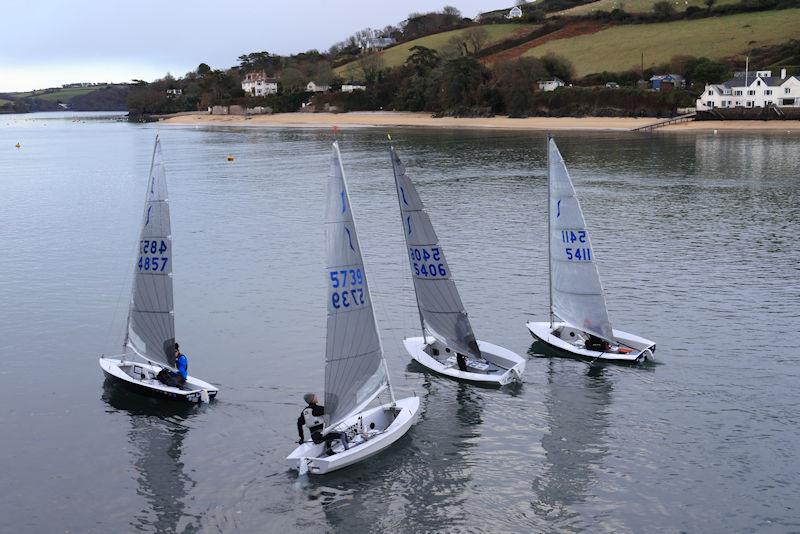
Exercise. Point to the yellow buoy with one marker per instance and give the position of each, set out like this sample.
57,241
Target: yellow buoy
230,157
18,145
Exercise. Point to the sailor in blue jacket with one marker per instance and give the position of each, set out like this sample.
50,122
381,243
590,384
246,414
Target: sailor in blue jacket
176,378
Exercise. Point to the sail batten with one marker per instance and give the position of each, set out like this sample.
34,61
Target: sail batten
354,370
577,295
438,300
151,323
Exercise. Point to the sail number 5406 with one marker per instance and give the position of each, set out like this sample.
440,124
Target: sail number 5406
427,262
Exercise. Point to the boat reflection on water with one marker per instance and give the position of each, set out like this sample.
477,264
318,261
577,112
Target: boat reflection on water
427,476
577,405
156,437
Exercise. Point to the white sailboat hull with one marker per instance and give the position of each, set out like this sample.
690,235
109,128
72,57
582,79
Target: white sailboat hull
141,377
386,431
572,340
506,366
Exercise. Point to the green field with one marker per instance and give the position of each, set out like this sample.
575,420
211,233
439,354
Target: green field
59,94
634,6
397,55
619,48
3,102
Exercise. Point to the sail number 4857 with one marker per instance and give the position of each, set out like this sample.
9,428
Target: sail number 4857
153,255
426,262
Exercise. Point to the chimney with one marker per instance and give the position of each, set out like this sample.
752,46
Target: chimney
783,74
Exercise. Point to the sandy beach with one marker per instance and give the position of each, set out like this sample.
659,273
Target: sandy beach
387,119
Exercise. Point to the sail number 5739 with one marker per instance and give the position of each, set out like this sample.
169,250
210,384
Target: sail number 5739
347,288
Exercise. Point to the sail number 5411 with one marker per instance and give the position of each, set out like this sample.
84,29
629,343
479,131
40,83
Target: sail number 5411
427,262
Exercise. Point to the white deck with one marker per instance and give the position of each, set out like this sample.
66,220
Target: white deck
501,365
144,375
378,425
573,340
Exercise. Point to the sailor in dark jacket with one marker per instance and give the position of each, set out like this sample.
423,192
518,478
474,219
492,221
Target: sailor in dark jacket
311,418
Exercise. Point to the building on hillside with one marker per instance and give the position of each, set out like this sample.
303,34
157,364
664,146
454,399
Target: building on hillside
377,43
550,85
752,90
256,83
514,13
174,92
612,85
667,82
351,86
314,88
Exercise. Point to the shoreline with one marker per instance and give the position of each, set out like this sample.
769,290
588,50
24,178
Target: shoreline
405,119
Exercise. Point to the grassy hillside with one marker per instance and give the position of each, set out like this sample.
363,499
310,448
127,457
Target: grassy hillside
57,95
619,48
397,55
634,6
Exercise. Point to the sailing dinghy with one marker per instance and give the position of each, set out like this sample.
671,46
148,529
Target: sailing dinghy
576,294
151,322
446,330
355,368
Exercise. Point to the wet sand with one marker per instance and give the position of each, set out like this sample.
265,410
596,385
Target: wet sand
387,119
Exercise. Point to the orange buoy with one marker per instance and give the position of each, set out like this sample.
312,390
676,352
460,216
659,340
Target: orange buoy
18,145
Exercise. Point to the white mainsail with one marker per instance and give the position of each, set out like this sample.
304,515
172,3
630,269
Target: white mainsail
440,306
355,372
151,323
576,294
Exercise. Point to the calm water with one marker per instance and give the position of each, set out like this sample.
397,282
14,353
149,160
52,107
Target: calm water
696,236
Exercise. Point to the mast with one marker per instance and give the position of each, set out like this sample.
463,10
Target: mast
355,229
549,237
405,239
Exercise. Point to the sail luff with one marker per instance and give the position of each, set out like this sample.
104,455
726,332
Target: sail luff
355,370
438,300
577,293
405,240
151,324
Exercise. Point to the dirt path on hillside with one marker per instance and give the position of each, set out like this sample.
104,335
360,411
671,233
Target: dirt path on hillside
570,30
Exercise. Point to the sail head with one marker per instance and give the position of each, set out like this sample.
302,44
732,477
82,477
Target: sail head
151,322
577,294
354,370
443,313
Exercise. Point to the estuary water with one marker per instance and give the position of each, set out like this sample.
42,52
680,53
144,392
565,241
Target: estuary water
696,236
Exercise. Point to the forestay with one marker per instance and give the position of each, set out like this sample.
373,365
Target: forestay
576,292
354,370
443,313
151,324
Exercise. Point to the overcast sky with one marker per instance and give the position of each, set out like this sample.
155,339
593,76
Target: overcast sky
46,43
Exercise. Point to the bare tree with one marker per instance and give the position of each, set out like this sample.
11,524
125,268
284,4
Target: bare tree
476,38
370,67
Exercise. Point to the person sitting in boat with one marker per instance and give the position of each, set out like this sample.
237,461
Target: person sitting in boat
311,418
461,360
176,378
595,343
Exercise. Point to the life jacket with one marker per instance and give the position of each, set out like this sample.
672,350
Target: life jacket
314,423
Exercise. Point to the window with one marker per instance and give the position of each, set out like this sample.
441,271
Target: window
749,104
768,103
787,90
751,92
710,92
737,93
767,91
710,103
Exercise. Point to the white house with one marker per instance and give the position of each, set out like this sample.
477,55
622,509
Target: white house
314,88
256,83
351,86
377,43
175,92
752,90
514,13
550,85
